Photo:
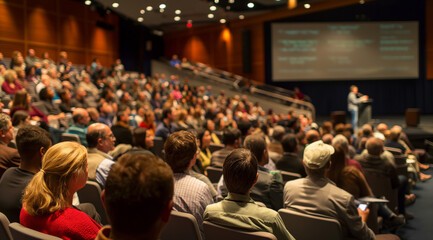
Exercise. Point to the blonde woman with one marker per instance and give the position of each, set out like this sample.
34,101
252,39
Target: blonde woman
47,200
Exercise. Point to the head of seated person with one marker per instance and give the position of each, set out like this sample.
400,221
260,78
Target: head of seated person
240,171
181,151
138,196
232,137
63,172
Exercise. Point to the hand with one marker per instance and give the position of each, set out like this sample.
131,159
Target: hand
364,214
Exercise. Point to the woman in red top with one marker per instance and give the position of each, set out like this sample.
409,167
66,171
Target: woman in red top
47,200
10,84
149,121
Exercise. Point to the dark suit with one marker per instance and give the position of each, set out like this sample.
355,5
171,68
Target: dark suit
9,157
290,162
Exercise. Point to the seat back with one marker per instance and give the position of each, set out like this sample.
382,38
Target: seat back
214,174
91,193
158,147
217,232
181,226
289,176
308,227
19,232
4,228
381,186
401,165
70,137
215,147
394,151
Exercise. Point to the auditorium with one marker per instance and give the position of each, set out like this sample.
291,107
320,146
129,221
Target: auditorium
216,119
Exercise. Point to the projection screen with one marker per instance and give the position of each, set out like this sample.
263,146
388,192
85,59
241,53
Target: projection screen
344,51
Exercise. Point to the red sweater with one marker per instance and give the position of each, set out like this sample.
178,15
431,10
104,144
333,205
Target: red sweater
67,224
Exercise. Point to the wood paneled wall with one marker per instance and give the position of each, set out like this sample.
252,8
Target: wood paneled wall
206,44
57,25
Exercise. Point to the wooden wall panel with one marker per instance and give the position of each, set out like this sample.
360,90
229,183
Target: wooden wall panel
76,56
57,25
42,26
7,47
11,22
74,8
46,5
72,32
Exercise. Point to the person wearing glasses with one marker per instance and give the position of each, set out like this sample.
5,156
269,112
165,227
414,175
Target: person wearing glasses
100,140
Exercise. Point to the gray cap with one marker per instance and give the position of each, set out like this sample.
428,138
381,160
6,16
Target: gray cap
317,154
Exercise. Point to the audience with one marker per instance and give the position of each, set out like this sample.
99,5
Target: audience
190,194
9,157
47,200
317,195
238,210
81,120
138,197
32,143
290,161
231,140
100,141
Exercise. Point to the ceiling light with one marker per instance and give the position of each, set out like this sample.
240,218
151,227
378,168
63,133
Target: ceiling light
222,20
140,19
161,10
149,8
162,6
307,6
177,11
115,4
87,2
228,8
361,1
142,11
231,1
216,1
210,15
241,17
177,18
212,8
250,5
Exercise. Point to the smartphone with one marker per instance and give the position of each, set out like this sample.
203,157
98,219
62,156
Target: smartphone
362,206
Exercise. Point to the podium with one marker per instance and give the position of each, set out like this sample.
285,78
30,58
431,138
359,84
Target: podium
364,112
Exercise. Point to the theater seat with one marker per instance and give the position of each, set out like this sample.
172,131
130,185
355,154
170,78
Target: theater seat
19,232
308,227
181,226
4,228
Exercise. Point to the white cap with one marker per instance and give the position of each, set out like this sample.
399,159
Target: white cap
317,154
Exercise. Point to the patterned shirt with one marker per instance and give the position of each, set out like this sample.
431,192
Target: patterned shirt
191,196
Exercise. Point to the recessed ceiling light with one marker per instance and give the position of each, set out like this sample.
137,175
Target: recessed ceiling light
250,5
149,8
162,6
140,19
216,1
222,20
115,4
177,18
178,12
231,1
241,17
212,8
210,15
361,1
142,11
307,6
161,10
87,2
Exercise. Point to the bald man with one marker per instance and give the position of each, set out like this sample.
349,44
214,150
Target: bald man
100,141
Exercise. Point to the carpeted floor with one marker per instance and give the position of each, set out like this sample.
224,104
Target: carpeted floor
421,227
